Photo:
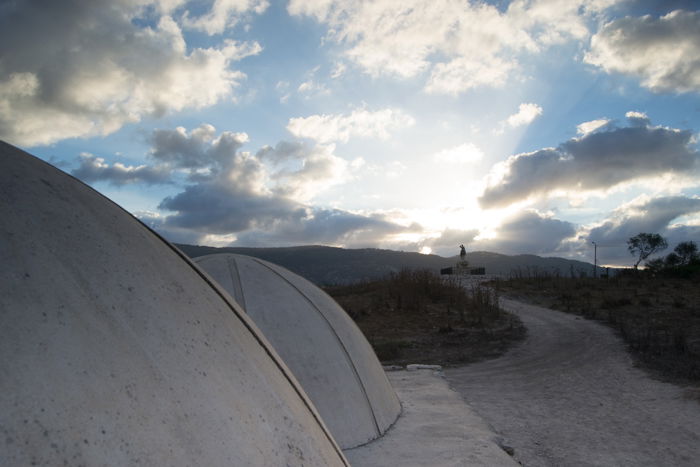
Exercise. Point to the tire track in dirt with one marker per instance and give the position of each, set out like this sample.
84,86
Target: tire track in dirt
569,395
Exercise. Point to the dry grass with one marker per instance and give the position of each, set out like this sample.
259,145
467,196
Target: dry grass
658,317
420,317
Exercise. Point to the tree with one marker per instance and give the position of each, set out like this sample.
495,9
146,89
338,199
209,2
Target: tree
673,260
687,252
644,245
655,265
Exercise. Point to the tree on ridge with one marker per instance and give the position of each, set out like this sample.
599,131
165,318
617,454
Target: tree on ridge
644,245
687,252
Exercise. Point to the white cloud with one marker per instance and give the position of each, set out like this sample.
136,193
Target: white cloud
635,114
462,44
637,118
215,166
316,169
527,112
282,87
358,163
591,126
224,14
310,86
94,169
360,123
664,53
107,72
462,74
394,169
466,153
338,70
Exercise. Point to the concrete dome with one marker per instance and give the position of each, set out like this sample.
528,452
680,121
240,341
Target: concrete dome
319,342
117,351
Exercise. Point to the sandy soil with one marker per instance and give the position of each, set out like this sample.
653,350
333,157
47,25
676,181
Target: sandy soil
569,395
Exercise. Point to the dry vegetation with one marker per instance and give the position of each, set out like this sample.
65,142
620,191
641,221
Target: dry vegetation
658,317
420,317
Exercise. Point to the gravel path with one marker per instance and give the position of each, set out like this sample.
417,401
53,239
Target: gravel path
569,395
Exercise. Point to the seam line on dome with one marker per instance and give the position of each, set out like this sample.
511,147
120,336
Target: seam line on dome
254,333
340,341
237,285
295,386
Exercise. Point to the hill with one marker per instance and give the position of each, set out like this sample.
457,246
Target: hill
325,265
528,265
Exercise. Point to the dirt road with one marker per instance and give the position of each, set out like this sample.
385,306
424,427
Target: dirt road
569,395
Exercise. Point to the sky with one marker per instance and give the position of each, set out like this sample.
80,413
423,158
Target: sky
529,126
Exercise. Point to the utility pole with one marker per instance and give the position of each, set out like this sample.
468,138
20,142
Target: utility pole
595,259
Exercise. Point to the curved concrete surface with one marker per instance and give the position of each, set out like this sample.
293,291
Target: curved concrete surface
117,351
319,342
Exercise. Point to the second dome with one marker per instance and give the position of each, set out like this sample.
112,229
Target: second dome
318,341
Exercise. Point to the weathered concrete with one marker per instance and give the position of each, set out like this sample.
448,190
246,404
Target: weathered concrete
319,342
436,429
116,351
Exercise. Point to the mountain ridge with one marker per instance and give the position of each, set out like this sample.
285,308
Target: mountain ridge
326,265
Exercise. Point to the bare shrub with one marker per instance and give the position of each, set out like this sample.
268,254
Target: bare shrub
420,313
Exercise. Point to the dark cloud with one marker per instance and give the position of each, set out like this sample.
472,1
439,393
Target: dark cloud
94,169
85,67
223,208
323,226
529,232
284,150
447,244
230,194
257,198
655,216
658,7
598,160
682,233
198,149
663,52
180,149
173,234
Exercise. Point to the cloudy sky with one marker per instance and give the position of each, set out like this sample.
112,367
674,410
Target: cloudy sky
529,126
